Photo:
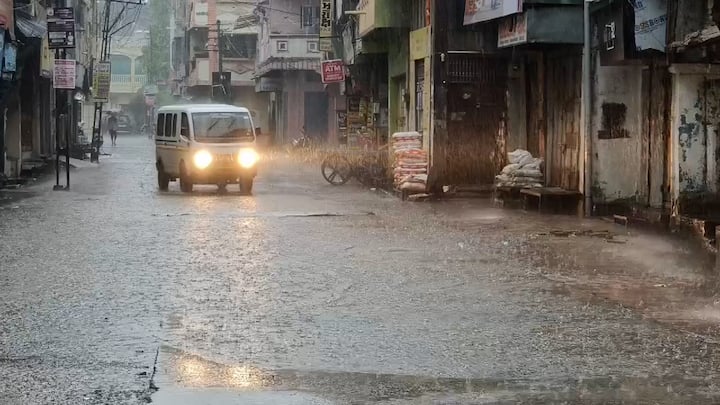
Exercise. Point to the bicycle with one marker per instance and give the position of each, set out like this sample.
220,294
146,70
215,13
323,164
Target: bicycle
369,168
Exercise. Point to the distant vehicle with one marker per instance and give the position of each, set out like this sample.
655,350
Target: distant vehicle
124,124
205,144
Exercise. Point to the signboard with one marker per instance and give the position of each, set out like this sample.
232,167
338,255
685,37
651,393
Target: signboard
61,27
485,10
326,25
650,23
512,30
366,20
333,71
7,17
46,59
326,19
420,43
64,74
101,81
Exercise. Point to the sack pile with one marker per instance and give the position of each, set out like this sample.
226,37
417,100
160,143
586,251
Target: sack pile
524,171
411,162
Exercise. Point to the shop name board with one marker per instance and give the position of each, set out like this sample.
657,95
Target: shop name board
101,81
485,10
333,71
512,30
61,27
64,74
326,25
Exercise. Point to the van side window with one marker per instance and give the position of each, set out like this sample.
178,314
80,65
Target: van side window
160,127
168,125
185,126
174,125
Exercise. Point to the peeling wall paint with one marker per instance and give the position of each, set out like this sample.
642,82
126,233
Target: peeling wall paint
617,141
696,115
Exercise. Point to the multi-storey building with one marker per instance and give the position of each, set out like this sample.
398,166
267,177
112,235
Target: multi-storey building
213,36
288,69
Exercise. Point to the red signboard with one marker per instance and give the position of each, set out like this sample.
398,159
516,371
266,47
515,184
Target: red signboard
333,71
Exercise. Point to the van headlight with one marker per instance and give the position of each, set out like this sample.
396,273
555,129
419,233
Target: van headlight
248,158
202,159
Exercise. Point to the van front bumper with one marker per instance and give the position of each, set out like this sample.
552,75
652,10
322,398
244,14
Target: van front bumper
223,175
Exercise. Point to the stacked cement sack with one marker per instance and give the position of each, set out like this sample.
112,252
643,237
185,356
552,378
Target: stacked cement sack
411,162
524,171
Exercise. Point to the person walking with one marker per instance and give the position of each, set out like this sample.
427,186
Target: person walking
113,128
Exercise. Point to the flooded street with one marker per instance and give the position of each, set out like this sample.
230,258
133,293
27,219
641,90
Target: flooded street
305,293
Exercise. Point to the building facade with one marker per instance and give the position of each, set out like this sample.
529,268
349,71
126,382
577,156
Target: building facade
214,36
27,100
288,70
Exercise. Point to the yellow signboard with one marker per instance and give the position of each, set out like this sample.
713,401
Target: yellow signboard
420,43
46,59
101,81
366,20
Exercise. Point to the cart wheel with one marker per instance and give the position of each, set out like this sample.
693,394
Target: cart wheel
336,170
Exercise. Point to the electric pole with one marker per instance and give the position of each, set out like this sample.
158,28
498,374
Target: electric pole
221,77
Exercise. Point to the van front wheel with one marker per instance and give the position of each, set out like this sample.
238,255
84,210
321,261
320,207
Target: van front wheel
186,185
163,179
246,186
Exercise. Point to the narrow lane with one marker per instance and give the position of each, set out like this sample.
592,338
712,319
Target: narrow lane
301,293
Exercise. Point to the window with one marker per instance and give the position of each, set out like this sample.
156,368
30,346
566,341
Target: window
312,46
174,126
159,128
222,127
240,46
168,125
184,126
310,16
121,64
282,46
419,94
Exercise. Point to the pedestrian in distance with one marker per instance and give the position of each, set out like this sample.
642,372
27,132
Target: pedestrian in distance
113,128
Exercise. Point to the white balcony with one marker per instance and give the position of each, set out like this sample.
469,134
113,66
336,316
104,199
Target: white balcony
127,83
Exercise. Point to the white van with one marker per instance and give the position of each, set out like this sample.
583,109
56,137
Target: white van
205,144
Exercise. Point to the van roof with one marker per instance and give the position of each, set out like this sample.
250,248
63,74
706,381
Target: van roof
191,108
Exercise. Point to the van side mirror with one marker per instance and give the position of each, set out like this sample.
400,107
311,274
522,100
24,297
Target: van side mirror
258,131
184,132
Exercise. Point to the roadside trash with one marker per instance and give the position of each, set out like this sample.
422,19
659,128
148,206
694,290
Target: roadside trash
524,171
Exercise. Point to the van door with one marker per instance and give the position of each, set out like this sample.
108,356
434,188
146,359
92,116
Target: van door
171,141
160,152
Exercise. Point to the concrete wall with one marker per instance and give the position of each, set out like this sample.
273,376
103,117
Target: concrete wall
285,16
694,129
256,102
517,108
617,165
398,53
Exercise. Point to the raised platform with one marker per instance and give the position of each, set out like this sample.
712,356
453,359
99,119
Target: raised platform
552,198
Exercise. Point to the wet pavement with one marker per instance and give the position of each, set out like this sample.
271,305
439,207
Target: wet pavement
304,293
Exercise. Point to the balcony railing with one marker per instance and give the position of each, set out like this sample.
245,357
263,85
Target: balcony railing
127,83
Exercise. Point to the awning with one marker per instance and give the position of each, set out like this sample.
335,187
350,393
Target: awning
28,25
288,64
705,36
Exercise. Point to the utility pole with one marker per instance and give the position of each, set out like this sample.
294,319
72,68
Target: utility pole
62,18
221,78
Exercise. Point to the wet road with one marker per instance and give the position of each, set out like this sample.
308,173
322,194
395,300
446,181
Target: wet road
302,294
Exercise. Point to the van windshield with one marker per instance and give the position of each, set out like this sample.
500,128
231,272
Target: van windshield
223,127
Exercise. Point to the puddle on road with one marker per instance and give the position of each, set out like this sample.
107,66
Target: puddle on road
185,378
